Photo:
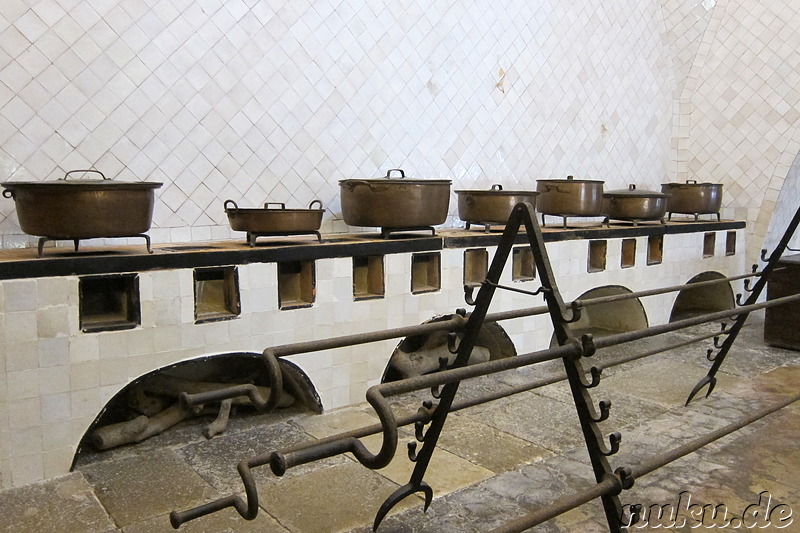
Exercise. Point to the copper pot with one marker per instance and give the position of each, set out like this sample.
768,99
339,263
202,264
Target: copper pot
634,204
493,205
569,197
394,203
693,198
274,220
83,209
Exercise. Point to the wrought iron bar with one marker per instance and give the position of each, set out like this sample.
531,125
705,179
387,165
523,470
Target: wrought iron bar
455,324
571,350
249,509
521,213
710,379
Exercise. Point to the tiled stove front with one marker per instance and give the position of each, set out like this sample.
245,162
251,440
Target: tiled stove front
56,377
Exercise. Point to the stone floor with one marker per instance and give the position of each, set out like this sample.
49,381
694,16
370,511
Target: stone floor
496,461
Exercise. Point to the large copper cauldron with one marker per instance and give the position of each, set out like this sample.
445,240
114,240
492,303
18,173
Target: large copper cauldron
395,203
83,209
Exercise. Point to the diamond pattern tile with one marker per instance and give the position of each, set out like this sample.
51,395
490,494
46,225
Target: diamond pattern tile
738,111
277,101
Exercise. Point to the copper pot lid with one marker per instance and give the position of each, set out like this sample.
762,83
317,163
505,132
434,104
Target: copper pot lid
633,192
84,183
569,179
388,180
496,189
691,184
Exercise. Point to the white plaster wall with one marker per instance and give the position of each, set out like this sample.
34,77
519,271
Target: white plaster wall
278,100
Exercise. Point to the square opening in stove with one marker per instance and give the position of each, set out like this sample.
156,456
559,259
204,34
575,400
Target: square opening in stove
425,273
655,249
730,243
368,277
216,294
522,266
476,265
296,284
597,256
709,242
628,258
109,303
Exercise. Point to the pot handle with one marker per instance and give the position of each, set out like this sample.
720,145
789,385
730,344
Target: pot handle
497,187
267,204
8,193
310,206
225,205
400,170
691,182
351,184
632,187
84,171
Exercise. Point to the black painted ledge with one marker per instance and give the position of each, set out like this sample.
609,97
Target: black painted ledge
109,259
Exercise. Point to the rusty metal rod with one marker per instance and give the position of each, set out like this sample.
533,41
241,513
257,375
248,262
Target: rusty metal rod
609,485
661,290
308,452
561,376
457,322
376,396
563,505
424,416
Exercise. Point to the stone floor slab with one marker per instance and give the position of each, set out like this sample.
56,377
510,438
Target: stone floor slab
338,498
664,381
487,446
65,504
541,420
133,489
446,472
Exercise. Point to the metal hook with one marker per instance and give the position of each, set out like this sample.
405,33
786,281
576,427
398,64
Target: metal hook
435,390
575,307
401,493
634,514
625,476
588,347
764,255
468,297
595,372
614,439
419,433
605,411
452,345
739,299
709,380
717,345
412,451
709,356
747,285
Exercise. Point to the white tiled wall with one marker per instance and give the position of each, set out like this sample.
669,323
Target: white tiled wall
278,100
739,110
54,379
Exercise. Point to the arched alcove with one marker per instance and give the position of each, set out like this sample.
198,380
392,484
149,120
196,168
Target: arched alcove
696,301
419,354
151,400
610,317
